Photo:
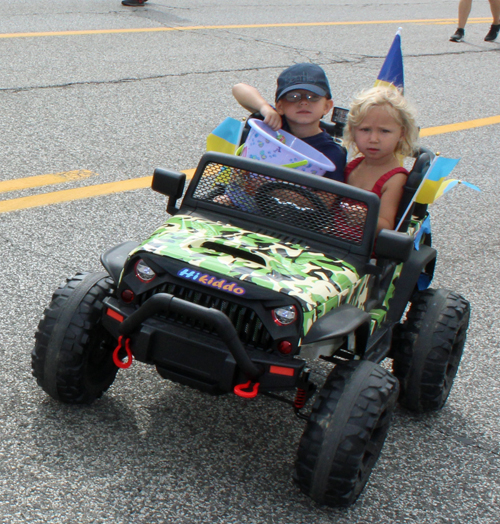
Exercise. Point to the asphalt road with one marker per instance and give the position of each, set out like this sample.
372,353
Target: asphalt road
121,103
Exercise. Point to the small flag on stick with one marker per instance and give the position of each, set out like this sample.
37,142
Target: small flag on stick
434,184
226,137
392,72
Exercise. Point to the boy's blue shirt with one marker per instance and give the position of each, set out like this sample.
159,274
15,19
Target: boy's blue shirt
325,144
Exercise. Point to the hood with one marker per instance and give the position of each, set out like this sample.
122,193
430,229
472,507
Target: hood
312,277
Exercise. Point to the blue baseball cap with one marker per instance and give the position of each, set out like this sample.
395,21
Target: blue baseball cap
310,77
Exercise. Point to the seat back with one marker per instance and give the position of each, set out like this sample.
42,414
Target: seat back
422,163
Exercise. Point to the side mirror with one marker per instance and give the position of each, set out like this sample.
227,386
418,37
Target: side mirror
170,184
393,245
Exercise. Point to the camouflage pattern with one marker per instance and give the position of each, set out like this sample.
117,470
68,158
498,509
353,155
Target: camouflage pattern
414,226
318,282
378,315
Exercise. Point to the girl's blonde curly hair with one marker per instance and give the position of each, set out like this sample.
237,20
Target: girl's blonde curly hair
398,108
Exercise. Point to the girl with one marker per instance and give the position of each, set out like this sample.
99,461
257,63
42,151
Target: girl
380,126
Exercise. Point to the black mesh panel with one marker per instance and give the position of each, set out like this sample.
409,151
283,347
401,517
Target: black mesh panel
285,202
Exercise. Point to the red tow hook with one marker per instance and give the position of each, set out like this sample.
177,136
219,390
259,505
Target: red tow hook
116,359
248,390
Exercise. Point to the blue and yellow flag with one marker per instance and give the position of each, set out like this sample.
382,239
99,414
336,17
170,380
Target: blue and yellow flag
434,184
392,72
226,137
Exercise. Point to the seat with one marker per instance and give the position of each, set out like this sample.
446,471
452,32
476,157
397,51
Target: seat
422,163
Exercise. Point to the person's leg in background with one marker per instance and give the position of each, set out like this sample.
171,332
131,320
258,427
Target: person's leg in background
495,26
134,3
464,8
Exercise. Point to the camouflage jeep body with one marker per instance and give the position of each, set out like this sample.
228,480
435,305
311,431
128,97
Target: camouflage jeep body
227,262
319,282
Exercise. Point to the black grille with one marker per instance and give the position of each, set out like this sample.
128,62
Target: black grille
285,202
248,325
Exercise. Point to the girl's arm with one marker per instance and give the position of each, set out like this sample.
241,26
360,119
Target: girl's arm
252,101
389,203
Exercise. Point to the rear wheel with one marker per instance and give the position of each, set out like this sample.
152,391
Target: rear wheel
345,433
73,355
428,347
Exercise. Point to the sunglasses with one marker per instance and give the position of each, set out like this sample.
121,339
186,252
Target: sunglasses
295,96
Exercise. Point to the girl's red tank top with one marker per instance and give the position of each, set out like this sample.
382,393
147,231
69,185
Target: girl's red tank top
377,188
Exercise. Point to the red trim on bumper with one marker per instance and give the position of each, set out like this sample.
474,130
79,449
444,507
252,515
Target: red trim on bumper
113,314
279,370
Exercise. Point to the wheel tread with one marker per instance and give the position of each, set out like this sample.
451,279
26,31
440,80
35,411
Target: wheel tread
70,373
375,401
421,367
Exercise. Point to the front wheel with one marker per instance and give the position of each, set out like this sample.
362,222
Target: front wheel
428,347
345,433
73,355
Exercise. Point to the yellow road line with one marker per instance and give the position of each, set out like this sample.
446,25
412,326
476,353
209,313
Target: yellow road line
145,182
460,126
43,180
81,193
469,21
234,26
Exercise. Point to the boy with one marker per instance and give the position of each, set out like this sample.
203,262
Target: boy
303,97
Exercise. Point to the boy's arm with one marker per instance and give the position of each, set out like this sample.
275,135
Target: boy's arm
252,101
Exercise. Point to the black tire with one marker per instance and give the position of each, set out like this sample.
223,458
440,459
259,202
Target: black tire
73,355
428,346
345,433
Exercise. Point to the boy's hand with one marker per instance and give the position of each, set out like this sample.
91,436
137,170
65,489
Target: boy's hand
271,117
252,100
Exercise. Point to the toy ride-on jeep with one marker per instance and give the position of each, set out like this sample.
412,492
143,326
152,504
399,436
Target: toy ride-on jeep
260,272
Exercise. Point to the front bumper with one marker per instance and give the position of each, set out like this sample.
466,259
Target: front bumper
210,362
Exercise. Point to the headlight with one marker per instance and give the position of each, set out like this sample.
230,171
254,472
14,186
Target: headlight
285,315
143,272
